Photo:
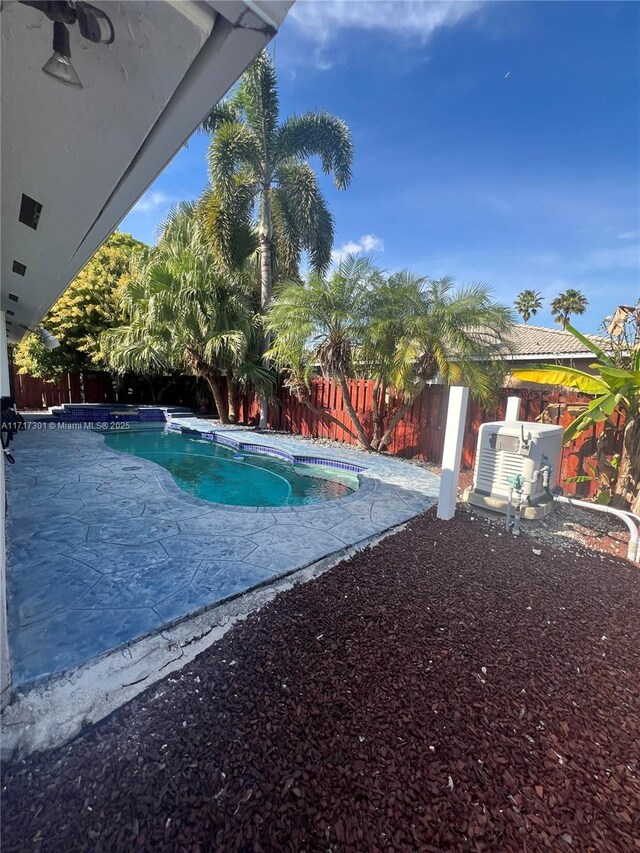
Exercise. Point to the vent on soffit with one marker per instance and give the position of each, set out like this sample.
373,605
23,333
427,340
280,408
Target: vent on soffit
18,268
30,211
13,297
10,313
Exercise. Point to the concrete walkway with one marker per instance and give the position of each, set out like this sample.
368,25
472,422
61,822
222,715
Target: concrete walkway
104,548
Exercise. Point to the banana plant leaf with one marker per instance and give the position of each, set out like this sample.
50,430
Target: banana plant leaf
589,344
597,411
569,377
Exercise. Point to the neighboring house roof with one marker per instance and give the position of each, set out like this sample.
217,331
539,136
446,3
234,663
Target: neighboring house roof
537,342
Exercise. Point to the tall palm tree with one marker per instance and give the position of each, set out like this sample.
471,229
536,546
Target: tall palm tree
570,301
184,313
258,164
528,303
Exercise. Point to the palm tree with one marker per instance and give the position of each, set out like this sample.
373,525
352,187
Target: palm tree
325,318
528,303
454,335
393,305
403,331
569,302
184,313
255,162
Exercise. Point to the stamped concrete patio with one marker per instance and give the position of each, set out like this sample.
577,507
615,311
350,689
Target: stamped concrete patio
104,548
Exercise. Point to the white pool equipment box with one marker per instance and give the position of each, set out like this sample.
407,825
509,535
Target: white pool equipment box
510,449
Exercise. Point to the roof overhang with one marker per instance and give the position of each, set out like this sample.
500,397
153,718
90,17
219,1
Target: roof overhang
87,155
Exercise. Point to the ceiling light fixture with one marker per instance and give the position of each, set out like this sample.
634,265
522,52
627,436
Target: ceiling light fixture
48,338
60,66
93,23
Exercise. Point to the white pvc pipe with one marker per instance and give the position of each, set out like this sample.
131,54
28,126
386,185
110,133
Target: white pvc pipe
635,518
633,551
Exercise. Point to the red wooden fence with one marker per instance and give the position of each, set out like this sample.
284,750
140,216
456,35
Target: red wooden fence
420,434
32,393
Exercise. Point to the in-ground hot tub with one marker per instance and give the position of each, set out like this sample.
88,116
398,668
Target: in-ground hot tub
108,413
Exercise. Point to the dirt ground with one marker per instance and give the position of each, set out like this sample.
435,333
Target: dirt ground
453,688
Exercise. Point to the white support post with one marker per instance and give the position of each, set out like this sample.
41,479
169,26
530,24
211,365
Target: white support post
513,409
452,453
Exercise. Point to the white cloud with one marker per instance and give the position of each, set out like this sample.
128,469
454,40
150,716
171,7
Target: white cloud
367,243
627,235
372,244
152,201
321,19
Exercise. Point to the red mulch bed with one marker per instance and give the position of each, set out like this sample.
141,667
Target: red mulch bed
448,690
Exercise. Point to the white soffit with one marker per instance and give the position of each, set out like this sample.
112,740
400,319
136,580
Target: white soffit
87,155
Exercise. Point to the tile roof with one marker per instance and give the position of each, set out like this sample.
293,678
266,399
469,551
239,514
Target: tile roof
539,341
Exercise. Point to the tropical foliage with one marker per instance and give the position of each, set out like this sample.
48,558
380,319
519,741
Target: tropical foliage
612,387
185,313
566,304
402,330
265,192
528,303
90,305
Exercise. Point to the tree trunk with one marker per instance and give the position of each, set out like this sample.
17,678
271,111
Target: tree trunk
152,390
265,235
322,414
375,440
231,396
164,389
627,489
362,436
301,392
379,397
395,420
214,384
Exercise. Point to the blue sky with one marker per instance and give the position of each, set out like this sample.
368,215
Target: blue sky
494,142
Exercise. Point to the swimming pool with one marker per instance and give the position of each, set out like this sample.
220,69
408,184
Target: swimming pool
216,473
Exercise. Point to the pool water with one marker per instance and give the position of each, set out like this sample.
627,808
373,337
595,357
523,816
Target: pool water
210,472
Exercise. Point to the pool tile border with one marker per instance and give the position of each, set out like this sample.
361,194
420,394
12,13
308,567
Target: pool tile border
265,450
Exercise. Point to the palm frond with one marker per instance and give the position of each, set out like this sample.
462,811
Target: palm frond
234,147
305,212
229,224
321,134
224,112
258,96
